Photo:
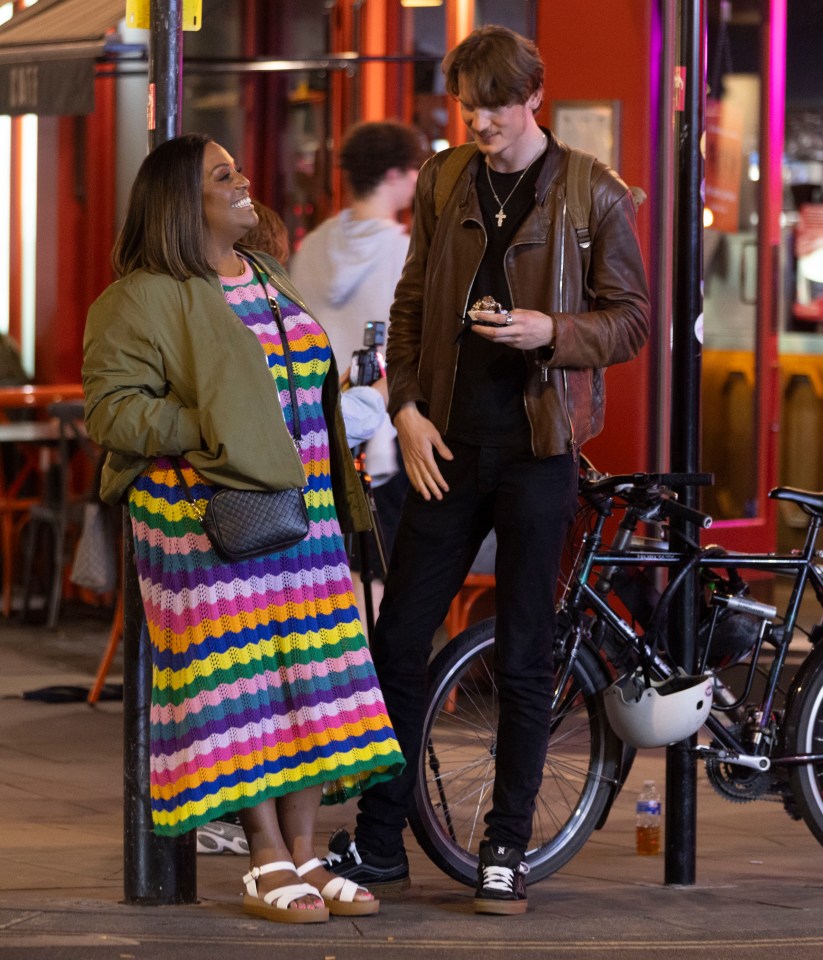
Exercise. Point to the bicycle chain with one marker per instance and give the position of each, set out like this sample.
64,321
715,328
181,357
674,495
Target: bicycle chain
736,783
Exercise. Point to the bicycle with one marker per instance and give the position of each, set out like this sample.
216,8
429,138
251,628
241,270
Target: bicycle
611,622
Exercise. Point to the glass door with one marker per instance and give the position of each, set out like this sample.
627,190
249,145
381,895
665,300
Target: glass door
741,267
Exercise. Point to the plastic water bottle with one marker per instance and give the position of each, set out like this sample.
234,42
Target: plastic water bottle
648,820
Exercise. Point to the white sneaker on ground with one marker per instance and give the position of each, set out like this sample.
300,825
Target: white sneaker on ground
221,837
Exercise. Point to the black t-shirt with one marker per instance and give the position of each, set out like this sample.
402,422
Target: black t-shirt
488,407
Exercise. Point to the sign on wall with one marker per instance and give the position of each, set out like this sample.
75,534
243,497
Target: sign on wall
47,87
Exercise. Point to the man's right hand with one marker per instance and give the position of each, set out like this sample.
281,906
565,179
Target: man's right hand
419,438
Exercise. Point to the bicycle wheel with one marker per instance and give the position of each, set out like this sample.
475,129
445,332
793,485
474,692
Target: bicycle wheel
804,734
456,770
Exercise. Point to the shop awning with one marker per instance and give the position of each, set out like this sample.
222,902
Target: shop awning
47,55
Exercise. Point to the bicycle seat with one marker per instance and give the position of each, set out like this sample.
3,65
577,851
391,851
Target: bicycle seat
811,502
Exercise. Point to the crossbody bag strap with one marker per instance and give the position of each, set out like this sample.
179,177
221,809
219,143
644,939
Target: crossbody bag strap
200,513
262,277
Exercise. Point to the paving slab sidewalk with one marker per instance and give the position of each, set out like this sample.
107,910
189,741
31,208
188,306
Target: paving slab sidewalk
758,890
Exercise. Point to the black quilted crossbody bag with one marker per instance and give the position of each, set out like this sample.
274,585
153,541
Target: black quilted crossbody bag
242,524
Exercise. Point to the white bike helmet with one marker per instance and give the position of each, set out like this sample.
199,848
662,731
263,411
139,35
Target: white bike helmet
666,712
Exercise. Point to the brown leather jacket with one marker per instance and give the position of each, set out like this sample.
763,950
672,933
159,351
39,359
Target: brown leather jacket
565,392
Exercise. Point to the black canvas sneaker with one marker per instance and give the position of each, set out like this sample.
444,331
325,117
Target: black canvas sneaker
501,880
378,874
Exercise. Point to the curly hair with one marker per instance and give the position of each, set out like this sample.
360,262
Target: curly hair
371,149
270,235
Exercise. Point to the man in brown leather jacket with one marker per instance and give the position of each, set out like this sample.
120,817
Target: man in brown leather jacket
495,361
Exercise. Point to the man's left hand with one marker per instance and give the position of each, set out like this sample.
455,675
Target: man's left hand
528,330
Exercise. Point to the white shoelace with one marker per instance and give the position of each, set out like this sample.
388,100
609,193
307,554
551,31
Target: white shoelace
332,857
502,878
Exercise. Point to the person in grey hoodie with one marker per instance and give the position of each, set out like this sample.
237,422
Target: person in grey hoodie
351,263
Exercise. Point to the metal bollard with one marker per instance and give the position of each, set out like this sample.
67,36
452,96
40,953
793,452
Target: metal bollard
156,870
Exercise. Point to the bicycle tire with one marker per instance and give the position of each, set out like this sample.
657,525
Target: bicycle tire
803,733
456,769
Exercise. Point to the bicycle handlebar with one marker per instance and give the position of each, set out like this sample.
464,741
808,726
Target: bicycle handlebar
683,479
651,489
609,485
674,508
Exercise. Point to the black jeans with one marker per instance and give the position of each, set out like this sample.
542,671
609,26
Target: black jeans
530,503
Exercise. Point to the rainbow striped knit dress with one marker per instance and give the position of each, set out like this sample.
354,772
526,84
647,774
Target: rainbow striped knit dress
262,681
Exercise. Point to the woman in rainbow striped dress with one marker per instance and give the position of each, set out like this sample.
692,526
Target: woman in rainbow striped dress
264,697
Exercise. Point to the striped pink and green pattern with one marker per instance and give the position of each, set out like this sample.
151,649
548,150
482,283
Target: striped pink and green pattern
262,681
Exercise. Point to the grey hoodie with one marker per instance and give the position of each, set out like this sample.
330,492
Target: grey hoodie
346,270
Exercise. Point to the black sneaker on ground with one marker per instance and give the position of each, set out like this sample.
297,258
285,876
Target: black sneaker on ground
501,880
378,874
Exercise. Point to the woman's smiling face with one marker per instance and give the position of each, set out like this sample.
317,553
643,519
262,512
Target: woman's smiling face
227,208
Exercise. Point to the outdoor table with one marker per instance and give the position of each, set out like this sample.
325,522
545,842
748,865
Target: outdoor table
32,440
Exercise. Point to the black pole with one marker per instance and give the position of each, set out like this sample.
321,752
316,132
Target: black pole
681,774
165,108
156,870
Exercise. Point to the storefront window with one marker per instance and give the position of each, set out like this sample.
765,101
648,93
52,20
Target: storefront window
423,37
298,29
212,101
425,40
517,15
293,169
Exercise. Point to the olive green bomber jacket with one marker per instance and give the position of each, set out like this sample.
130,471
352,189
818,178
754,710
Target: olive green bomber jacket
170,370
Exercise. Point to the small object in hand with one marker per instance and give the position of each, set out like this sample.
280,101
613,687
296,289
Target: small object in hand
489,305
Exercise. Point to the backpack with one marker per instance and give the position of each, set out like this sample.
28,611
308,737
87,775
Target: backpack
578,190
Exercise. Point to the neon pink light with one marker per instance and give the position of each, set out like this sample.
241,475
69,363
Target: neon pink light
776,72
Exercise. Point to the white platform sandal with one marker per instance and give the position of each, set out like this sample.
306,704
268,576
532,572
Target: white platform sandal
274,905
339,893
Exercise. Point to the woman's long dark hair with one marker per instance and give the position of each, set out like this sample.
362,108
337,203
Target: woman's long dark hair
163,231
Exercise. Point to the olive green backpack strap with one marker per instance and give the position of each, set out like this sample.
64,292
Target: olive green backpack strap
579,194
449,174
578,190
579,201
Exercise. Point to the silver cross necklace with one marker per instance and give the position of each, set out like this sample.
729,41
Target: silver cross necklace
500,216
